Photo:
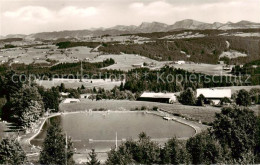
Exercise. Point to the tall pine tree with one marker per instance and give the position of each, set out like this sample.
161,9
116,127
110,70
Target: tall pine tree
55,149
93,158
11,152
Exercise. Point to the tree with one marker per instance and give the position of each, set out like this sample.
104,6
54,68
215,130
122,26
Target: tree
204,149
236,129
122,156
24,107
174,152
93,158
51,99
11,152
94,90
62,87
55,149
121,87
10,84
144,151
147,152
2,103
200,100
225,100
82,87
243,98
257,149
74,93
98,97
255,95
187,97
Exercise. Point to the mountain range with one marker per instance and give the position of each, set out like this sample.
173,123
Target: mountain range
145,27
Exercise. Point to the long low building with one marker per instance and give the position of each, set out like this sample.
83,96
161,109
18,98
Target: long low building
71,100
215,95
158,97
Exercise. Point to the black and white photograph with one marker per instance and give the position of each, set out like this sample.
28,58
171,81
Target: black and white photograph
129,82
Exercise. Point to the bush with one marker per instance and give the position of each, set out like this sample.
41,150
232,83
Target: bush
187,97
243,98
200,100
225,100
204,149
236,129
144,108
255,95
174,152
11,152
155,108
143,151
2,103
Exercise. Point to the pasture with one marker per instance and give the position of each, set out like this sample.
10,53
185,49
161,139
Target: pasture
40,55
125,61
107,84
210,69
232,54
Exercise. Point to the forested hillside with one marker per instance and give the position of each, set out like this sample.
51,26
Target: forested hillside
198,50
201,50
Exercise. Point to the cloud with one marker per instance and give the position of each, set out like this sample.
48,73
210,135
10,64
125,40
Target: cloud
157,8
75,11
44,15
136,5
36,16
30,13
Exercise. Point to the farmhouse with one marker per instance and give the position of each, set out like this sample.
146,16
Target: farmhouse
179,62
215,95
71,100
158,97
64,94
138,65
227,68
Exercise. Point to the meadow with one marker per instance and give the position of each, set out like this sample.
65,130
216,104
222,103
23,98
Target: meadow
125,61
203,114
107,84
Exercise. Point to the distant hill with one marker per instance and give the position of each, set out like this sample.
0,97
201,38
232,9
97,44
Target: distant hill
145,27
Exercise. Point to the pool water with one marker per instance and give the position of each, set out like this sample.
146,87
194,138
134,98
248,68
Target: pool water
99,129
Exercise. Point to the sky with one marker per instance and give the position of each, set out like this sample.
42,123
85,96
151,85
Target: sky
32,16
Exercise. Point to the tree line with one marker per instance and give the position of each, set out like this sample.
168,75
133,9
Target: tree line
63,70
68,44
24,103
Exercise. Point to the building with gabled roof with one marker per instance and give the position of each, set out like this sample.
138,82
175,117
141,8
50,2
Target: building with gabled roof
215,95
158,97
71,100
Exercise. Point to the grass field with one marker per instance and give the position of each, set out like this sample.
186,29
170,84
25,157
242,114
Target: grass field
202,68
34,55
75,83
204,114
125,61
